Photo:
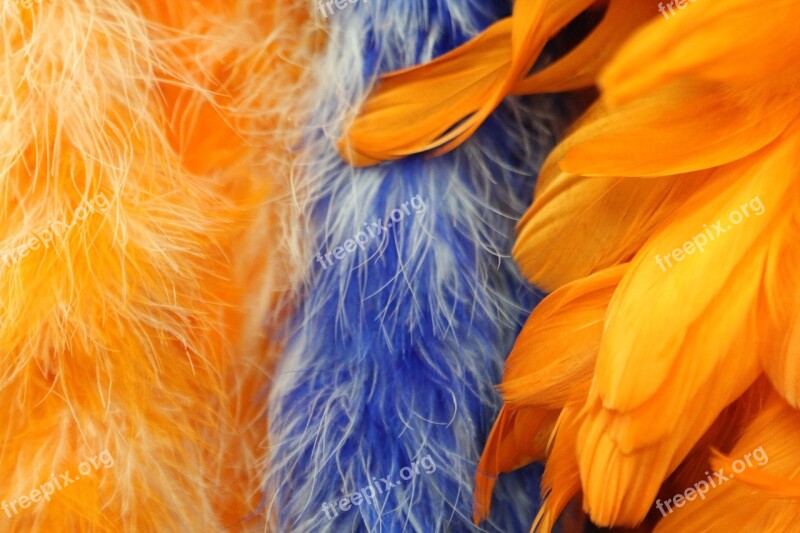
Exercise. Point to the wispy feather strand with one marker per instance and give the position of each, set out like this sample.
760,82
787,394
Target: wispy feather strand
397,347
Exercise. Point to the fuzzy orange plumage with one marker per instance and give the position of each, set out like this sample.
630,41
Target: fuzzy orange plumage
130,332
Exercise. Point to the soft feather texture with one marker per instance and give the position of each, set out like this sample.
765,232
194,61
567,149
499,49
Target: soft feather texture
698,117
397,347
129,332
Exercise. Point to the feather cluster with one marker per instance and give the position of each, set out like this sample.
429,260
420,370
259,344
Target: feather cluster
666,227
258,270
136,166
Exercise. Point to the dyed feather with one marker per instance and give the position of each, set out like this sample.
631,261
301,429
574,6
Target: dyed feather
698,118
664,386
398,345
764,496
131,332
450,97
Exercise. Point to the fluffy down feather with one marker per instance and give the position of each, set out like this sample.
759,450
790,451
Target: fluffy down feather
131,331
396,350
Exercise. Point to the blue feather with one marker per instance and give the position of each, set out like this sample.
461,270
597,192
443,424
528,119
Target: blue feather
397,345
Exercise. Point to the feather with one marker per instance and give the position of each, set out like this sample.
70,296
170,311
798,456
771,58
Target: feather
714,42
704,318
761,492
661,129
122,332
461,88
578,226
580,67
452,95
394,354
539,391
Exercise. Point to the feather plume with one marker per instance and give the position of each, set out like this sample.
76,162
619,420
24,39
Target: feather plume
398,344
130,152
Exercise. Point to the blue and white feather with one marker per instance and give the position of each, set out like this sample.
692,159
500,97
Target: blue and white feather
411,301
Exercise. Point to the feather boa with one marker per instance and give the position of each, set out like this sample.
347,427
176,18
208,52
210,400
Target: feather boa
136,164
405,317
